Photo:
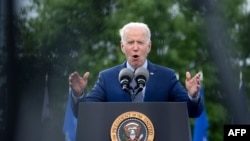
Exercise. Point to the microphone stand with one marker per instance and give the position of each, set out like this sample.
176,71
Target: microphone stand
133,92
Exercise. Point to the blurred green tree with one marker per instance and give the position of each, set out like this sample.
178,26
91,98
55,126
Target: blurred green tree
76,35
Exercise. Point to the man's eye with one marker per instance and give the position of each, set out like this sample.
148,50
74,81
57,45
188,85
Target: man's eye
140,43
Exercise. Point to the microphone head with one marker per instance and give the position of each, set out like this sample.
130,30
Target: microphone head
141,73
125,76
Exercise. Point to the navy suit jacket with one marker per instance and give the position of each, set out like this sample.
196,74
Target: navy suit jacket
162,86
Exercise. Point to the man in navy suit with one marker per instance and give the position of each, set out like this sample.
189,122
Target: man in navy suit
162,84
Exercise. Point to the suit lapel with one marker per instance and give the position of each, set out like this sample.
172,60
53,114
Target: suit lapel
151,81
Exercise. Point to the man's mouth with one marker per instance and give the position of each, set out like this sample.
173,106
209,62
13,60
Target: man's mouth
135,56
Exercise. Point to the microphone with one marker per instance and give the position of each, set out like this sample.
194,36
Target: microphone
141,77
125,77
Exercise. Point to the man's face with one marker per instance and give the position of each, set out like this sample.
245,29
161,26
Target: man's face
136,46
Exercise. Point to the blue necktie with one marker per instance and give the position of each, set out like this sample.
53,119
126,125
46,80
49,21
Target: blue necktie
139,97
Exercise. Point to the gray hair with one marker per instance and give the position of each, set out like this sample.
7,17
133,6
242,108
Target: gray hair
134,24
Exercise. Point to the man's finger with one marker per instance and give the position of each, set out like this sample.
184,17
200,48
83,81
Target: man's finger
198,75
71,76
86,76
188,75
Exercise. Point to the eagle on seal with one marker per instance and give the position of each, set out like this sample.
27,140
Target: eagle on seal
132,131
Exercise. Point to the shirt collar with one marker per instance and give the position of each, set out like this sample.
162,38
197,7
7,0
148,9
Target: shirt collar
145,65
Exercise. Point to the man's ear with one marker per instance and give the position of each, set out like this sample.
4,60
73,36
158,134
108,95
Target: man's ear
149,46
122,47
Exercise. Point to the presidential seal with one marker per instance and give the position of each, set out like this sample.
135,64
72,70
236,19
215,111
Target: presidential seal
132,126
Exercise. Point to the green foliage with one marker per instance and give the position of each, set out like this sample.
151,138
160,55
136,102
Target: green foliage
82,36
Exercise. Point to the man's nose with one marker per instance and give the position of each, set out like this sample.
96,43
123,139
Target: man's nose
135,46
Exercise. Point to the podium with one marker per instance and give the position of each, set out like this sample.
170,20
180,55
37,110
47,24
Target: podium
116,121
